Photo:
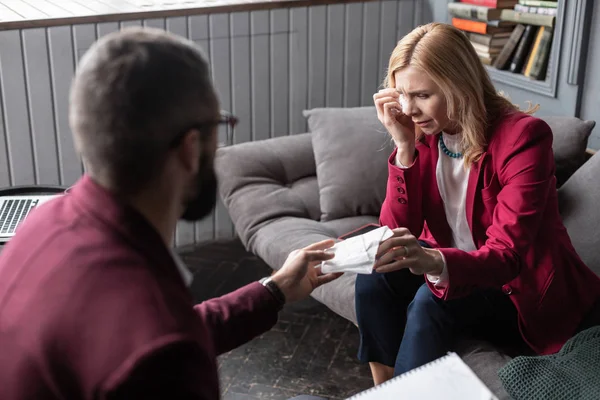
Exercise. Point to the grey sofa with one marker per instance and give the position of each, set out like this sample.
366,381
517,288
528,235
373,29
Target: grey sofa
276,198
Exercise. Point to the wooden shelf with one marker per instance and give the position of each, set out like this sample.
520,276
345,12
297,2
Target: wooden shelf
546,87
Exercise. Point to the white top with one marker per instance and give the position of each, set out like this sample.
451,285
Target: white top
452,179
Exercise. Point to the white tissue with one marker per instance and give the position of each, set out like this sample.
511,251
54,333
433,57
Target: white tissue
356,254
403,103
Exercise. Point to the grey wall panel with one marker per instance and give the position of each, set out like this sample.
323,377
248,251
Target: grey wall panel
220,51
317,54
39,93
199,33
62,69
5,179
370,69
83,37
16,113
298,69
267,66
352,54
177,25
105,28
280,71
387,35
240,77
125,24
260,70
158,23
334,80
185,232
406,17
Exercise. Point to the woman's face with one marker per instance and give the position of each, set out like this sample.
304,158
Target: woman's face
423,100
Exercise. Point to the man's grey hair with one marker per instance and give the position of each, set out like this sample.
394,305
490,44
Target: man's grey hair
133,93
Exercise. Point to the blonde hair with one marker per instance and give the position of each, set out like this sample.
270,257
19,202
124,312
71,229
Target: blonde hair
446,55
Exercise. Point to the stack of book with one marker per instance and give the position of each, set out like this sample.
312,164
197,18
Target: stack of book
481,22
513,35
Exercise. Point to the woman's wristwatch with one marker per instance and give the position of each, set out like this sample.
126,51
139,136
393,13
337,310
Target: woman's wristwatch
274,290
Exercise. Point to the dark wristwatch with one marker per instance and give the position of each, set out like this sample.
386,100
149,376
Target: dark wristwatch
274,290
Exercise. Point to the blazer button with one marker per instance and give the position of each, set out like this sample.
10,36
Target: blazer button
401,190
400,180
506,289
401,200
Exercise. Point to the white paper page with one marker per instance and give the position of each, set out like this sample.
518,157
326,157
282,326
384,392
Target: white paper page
446,378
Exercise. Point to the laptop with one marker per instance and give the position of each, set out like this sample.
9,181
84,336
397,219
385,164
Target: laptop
14,209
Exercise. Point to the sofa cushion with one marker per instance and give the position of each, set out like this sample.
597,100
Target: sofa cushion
570,141
268,179
293,233
578,203
351,149
485,360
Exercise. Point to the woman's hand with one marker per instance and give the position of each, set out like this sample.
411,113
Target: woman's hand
399,125
404,251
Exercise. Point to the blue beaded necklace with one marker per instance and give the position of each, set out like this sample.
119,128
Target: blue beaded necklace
446,151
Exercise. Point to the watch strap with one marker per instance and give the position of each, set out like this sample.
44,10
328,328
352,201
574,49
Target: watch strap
274,290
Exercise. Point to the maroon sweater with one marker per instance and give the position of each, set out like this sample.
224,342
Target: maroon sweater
92,306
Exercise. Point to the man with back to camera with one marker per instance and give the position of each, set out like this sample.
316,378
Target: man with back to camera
93,304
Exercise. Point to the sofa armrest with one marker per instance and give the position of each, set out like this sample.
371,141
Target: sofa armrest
264,180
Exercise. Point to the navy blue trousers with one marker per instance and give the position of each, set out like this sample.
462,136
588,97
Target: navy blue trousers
404,325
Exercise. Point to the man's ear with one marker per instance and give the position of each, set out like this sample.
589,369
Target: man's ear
189,151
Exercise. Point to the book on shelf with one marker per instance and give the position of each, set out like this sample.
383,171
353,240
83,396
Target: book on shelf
490,40
484,27
471,11
507,52
536,10
540,54
492,3
513,35
447,377
527,18
523,48
539,3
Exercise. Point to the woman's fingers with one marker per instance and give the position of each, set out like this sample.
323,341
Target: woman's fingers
397,253
393,242
396,265
389,92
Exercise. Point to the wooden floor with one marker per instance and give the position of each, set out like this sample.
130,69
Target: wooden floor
311,350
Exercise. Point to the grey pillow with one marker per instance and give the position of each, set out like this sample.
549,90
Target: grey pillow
570,141
578,203
351,149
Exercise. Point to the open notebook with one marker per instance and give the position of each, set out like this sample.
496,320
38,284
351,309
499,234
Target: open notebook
445,378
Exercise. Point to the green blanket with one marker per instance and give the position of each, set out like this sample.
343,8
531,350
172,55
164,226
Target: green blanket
572,373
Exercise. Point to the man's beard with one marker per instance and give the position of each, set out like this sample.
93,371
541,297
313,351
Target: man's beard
205,195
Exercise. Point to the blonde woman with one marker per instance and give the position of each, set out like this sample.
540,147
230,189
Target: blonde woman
479,247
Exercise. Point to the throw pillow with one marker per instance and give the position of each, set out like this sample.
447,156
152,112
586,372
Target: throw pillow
578,204
351,149
570,141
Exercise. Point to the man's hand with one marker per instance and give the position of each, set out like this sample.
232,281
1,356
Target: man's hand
298,277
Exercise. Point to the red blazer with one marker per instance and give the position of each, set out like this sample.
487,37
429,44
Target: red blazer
523,248
92,306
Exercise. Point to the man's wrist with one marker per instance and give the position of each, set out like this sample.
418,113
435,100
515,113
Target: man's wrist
275,290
